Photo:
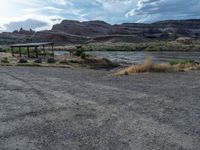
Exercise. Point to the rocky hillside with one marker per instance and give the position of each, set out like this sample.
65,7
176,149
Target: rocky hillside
75,32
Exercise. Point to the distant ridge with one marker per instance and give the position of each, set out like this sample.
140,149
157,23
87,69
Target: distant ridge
76,32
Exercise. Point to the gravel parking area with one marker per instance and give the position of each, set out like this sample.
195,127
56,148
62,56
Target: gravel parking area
80,109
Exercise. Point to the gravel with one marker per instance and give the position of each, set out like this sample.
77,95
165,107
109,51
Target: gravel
79,109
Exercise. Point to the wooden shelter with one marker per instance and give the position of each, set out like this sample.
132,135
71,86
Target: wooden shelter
35,46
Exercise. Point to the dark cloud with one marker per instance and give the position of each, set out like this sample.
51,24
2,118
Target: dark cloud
56,19
26,24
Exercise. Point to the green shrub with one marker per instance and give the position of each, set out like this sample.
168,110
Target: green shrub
64,62
51,60
38,61
74,61
79,52
83,56
23,60
176,62
2,50
154,48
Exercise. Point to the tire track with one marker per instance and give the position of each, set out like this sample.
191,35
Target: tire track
34,114
32,88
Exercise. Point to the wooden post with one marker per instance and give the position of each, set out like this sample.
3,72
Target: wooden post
12,51
44,51
52,49
36,52
28,52
20,54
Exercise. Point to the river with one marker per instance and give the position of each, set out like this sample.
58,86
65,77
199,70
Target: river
137,57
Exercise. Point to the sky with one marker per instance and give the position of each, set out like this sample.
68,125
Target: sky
42,14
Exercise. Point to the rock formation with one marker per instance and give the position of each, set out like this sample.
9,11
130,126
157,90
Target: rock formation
75,32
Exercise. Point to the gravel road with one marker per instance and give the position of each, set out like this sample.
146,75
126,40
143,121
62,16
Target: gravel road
77,109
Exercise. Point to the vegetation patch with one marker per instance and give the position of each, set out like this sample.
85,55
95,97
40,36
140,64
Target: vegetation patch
28,64
145,46
64,62
23,60
80,52
5,49
92,62
149,66
176,62
51,60
5,60
39,61
98,63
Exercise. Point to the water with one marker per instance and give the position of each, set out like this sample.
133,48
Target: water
124,58
138,57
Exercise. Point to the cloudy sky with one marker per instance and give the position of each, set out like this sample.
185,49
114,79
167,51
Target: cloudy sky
42,14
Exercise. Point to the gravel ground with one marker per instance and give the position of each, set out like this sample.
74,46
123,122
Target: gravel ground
73,109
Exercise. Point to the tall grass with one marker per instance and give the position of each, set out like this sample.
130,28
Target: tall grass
149,66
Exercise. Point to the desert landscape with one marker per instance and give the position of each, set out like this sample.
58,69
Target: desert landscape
84,101
99,75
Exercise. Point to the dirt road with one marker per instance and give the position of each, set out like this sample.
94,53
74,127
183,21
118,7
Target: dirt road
73,109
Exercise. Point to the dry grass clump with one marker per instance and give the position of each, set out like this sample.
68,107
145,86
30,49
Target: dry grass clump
187,67
149,66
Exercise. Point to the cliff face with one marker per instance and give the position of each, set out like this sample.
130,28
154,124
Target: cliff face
89,29
75,32
100,28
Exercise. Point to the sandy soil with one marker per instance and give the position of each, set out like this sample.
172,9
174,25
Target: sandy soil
3,55
73,109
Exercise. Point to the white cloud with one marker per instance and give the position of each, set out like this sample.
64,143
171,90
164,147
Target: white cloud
153,10
48,9
111,11
25,24
61,2
35,22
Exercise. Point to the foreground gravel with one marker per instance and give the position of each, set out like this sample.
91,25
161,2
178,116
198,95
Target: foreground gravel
72,109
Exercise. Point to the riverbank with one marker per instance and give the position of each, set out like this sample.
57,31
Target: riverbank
83,61
156,46
145,46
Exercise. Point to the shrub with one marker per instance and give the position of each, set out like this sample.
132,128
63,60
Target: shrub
39,61
23,60
2,50
176,62
79,52
74,61
5,60
154,48
64,61
83,56
51,60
